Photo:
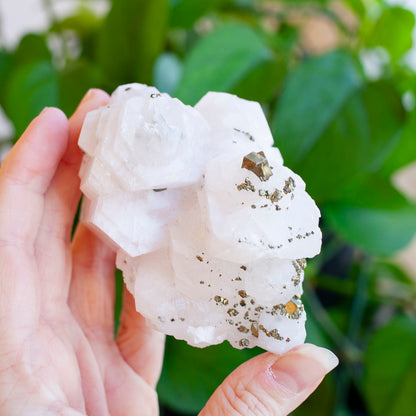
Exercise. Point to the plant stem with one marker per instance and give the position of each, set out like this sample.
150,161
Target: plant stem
352,353
359,303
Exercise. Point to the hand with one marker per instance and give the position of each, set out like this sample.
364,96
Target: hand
58,355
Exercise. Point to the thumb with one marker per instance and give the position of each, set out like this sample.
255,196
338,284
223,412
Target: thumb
270,385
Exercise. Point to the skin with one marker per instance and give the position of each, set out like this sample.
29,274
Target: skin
58,355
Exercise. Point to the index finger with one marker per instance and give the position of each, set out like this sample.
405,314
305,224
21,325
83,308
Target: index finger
25,175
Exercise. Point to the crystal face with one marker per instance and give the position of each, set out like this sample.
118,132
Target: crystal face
211,229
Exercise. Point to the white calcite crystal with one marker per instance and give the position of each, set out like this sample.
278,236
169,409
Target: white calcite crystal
211,230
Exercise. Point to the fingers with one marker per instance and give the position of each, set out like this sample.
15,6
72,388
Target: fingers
63,195
91,299
66,183
141,347
91,295
61,201
25,175
270,384
127,393
93,99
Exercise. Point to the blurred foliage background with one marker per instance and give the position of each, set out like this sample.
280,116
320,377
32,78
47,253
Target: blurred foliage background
335,82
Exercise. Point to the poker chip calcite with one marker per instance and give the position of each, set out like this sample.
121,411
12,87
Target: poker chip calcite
211,229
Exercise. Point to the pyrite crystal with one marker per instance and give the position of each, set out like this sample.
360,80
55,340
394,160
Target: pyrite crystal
258,164
211,230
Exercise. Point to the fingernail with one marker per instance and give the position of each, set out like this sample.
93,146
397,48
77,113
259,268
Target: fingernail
326,357
303,367
44,110
88,95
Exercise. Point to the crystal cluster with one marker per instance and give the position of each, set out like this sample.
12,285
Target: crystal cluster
211,230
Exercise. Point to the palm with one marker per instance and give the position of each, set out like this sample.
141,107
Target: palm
57,351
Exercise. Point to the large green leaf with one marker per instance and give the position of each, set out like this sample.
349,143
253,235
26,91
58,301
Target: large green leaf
374,192
378,231
221,60
372,215
405,150
190,375
314,94
357,142
131,38
338,156
385,117
393,31
31,88
270,73
390,369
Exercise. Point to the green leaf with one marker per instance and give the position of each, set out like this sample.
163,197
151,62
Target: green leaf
131,39
381,232
270,73
390,369
32,48
385,118
31,88
393,31
6,68
221,60
287,39
357,6
190,375
339,153
405,150
372,215
74,81
184,13
360,138
314,94
373,192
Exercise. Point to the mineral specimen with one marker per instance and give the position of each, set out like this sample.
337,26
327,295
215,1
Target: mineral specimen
211,230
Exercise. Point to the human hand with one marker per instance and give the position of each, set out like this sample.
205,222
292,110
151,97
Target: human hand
58,355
